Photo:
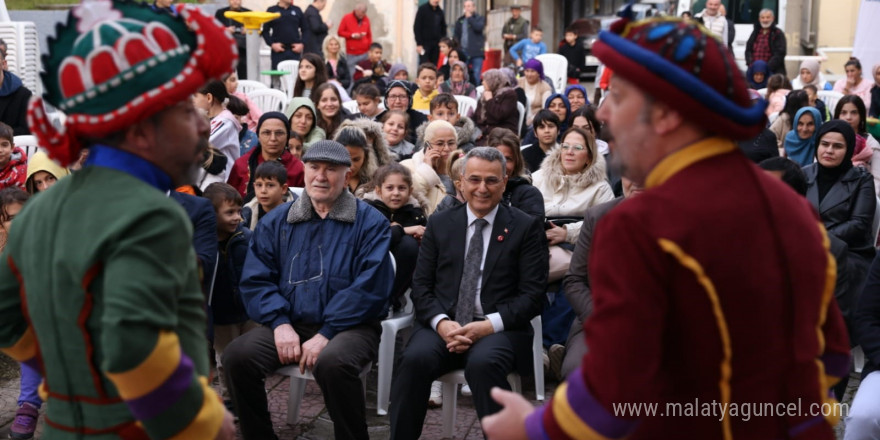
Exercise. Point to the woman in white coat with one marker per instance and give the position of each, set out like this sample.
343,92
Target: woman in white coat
429,164
214,100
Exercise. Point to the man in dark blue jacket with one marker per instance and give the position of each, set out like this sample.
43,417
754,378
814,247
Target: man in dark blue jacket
204,222
318,278
318,27
285,35
469,33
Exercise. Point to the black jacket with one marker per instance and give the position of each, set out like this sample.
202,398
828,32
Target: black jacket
429,26
204,224
576,56
761,147
406,216
317,31
848,209
522,195
226,303
867,320
14,98
342,73
874,110
777,49
476,37
514,273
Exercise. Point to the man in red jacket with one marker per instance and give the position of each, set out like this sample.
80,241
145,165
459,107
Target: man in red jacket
714,315
355,28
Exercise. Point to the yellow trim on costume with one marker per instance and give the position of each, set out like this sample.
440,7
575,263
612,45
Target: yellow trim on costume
43,391
568,420
681,159
25,348
694,266
153,371
825,381
209,419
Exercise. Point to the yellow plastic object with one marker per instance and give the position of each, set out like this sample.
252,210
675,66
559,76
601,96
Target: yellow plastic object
252,20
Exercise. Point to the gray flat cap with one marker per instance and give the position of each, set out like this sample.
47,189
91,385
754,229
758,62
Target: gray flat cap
327,151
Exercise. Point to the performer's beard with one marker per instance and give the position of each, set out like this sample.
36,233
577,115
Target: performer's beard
191,177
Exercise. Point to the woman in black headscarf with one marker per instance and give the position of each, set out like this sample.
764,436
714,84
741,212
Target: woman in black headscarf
844,196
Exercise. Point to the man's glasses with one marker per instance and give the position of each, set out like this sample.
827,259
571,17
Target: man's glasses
490,181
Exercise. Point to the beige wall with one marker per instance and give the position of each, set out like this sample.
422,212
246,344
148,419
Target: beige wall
836,28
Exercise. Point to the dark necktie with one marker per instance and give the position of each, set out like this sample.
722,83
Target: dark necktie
467,290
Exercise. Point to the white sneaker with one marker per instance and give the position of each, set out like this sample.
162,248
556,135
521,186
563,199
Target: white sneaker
466,390
436,399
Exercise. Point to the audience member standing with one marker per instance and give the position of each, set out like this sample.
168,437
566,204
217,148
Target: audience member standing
767,43
469,33
355,28
515,29
236,28
429,27
711,17
318,28
285,34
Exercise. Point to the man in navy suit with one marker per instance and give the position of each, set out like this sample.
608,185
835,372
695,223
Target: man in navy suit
479,280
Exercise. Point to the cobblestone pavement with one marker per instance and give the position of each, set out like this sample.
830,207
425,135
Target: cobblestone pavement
314,423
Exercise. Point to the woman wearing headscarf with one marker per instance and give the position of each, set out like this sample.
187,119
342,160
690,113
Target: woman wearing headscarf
800,142
844,196
809,74
458,82
273,132
577,96
757,75
497,105
537,90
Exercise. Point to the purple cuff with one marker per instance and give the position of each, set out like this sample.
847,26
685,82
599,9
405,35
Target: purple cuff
592,412
535,424
155,402
836,364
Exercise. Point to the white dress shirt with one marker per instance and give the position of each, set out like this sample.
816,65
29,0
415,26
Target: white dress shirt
494,318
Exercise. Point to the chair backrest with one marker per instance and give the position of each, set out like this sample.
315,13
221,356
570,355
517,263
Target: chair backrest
298,190
830,98
466,105
875,225
351,106
28,143
522,116
269,100
555,68
287,81
247,86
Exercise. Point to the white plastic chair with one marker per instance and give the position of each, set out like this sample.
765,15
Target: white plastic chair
269,100
247,86
351,106
452,379
830,98
287,81
390,327
298,387
296,190
858,358
522,117
28,143
466,105
555,68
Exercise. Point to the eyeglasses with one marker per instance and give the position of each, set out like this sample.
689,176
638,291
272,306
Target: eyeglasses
397,97
448,144
575,147
490,181
277,133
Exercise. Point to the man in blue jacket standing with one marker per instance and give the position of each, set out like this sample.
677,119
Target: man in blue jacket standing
286,34
469,32
318,278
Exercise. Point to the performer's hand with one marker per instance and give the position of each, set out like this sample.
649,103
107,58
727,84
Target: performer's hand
465,337
227,427
277,47
510,422
287,344
556,234
311,350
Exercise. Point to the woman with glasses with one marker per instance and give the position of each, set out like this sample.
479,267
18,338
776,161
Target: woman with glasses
571,179
429,165
273,134
398,96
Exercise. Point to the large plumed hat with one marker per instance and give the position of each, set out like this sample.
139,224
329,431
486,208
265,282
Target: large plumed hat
118,62
683,64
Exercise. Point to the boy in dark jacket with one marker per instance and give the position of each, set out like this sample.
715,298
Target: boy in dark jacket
230,317
270,190
573,51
